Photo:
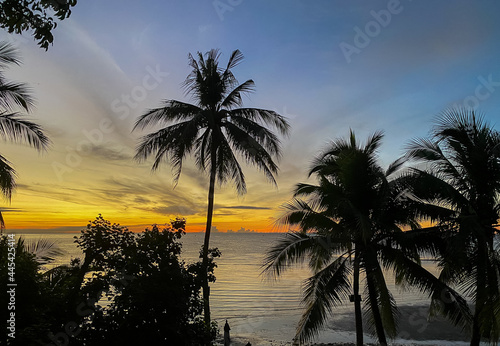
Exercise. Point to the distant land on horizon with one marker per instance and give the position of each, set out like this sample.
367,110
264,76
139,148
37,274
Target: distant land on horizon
134,228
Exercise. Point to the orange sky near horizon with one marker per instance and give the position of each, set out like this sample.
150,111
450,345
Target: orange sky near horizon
263,221
50,206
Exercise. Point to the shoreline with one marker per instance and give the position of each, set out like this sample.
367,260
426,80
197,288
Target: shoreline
239,341
414,330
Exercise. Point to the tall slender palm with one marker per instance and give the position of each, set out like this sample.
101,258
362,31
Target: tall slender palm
353,222
12,125
461,186
215,128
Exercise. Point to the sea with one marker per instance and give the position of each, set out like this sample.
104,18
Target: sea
266,311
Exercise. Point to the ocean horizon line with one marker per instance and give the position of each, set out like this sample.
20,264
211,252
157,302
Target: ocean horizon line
134,228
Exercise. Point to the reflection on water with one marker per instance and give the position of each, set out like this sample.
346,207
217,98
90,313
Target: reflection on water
254,304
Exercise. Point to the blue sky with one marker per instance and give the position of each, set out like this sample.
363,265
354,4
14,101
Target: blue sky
329,66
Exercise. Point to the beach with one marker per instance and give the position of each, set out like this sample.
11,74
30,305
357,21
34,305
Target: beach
414,329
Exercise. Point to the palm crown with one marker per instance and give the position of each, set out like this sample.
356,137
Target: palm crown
356,211
214,129
460,188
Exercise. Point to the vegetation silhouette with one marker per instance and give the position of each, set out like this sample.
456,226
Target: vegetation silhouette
13,126
459,185
214,129
152,296
33,311
35,15
353,221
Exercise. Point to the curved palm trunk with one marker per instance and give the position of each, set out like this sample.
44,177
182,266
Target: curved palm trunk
206,243
358,317
377,318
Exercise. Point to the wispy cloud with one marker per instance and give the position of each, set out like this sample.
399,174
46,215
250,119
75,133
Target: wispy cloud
109,153
182,210
243,207
12,210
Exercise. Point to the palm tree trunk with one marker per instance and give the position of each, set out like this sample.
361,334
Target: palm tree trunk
377,318
206,243
480,296
476,333
358,317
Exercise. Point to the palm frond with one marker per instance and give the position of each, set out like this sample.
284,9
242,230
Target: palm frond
428,241
290,249
8,55
267,117
228,166
266,138
300,213
395,166
45,251
202,151
233,99
16,129
2,223
7,179
171,143
228,80
252,151
380,298
431,188
374,142
12,95
235,59
445,300
172,111
323,291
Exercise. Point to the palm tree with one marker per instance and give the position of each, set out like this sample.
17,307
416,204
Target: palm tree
12,125
214,129
352,222
460,184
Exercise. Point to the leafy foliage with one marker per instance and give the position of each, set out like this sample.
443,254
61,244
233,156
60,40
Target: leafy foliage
33,307
35,15
153,296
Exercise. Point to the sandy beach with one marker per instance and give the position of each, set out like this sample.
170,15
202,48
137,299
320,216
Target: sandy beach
414,329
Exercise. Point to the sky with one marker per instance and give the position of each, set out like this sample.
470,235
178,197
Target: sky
328,66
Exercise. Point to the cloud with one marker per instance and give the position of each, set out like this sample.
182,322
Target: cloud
14,210
224,214
175,210
59,193
108,153
141,200
250,207
41,231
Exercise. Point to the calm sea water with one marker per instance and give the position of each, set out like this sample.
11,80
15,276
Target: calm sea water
265,311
